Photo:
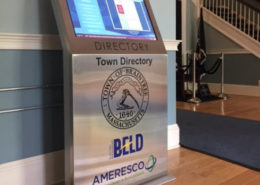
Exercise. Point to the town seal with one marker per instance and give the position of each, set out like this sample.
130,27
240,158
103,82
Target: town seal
125,97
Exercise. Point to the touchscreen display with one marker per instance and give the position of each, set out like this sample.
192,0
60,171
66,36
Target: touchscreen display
118,19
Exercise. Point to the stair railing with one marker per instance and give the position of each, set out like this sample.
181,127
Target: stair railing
238,13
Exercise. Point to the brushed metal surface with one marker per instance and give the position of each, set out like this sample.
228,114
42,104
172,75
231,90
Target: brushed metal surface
92,132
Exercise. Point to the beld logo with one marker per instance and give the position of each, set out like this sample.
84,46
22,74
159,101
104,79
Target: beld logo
125,97
127,145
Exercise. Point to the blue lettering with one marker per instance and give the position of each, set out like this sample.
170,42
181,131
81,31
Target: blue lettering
117,148
127,145
124,143
141,165
104,177
111,175
139,142
134,169
95,180
117,173
123,171
129,169
131,146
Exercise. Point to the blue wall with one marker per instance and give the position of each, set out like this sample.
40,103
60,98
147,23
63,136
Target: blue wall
40,130
240,69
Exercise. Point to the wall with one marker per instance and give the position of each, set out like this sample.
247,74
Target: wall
167,25
240,69
39,129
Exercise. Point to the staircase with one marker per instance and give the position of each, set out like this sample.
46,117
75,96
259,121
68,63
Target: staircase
237,20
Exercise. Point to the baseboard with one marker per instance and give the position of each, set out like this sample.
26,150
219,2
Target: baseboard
246,90
48,169
9,41
173,136
40,170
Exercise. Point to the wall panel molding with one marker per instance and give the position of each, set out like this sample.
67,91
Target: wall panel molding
11,41
171,45
40,170
173,136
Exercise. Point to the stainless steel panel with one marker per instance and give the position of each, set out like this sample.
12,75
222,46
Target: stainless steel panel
115,96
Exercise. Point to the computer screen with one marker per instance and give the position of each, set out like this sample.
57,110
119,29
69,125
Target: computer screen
116,19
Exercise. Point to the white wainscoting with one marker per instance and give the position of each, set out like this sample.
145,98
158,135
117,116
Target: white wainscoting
48,169
40,170
9,41
173,136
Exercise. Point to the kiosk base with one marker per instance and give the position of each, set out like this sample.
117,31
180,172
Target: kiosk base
162,180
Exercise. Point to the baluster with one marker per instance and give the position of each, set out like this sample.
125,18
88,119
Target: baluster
217,7
253,24
214,10
249,14
232,6
240,17
220,8
236,14
228,13
244,18
224,9
258,27
209,4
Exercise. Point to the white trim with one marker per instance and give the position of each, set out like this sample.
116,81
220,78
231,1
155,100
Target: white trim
247,90
225,51
228,51
171,45
232,32
29,42
173,136
40,170
49,42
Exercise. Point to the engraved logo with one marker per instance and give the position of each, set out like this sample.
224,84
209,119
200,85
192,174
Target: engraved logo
125,97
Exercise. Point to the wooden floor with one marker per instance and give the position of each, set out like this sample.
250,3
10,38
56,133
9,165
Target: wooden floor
193,168
245,107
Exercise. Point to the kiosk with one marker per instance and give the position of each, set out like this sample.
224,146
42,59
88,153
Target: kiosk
115,89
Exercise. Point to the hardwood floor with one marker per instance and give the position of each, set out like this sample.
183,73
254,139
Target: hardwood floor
245,107
194,168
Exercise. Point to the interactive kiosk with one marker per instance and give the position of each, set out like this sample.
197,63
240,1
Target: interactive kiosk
115,89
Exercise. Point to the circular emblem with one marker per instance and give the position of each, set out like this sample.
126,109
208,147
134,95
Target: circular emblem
125,97
150,164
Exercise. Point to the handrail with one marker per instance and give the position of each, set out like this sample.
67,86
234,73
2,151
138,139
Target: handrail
237,13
